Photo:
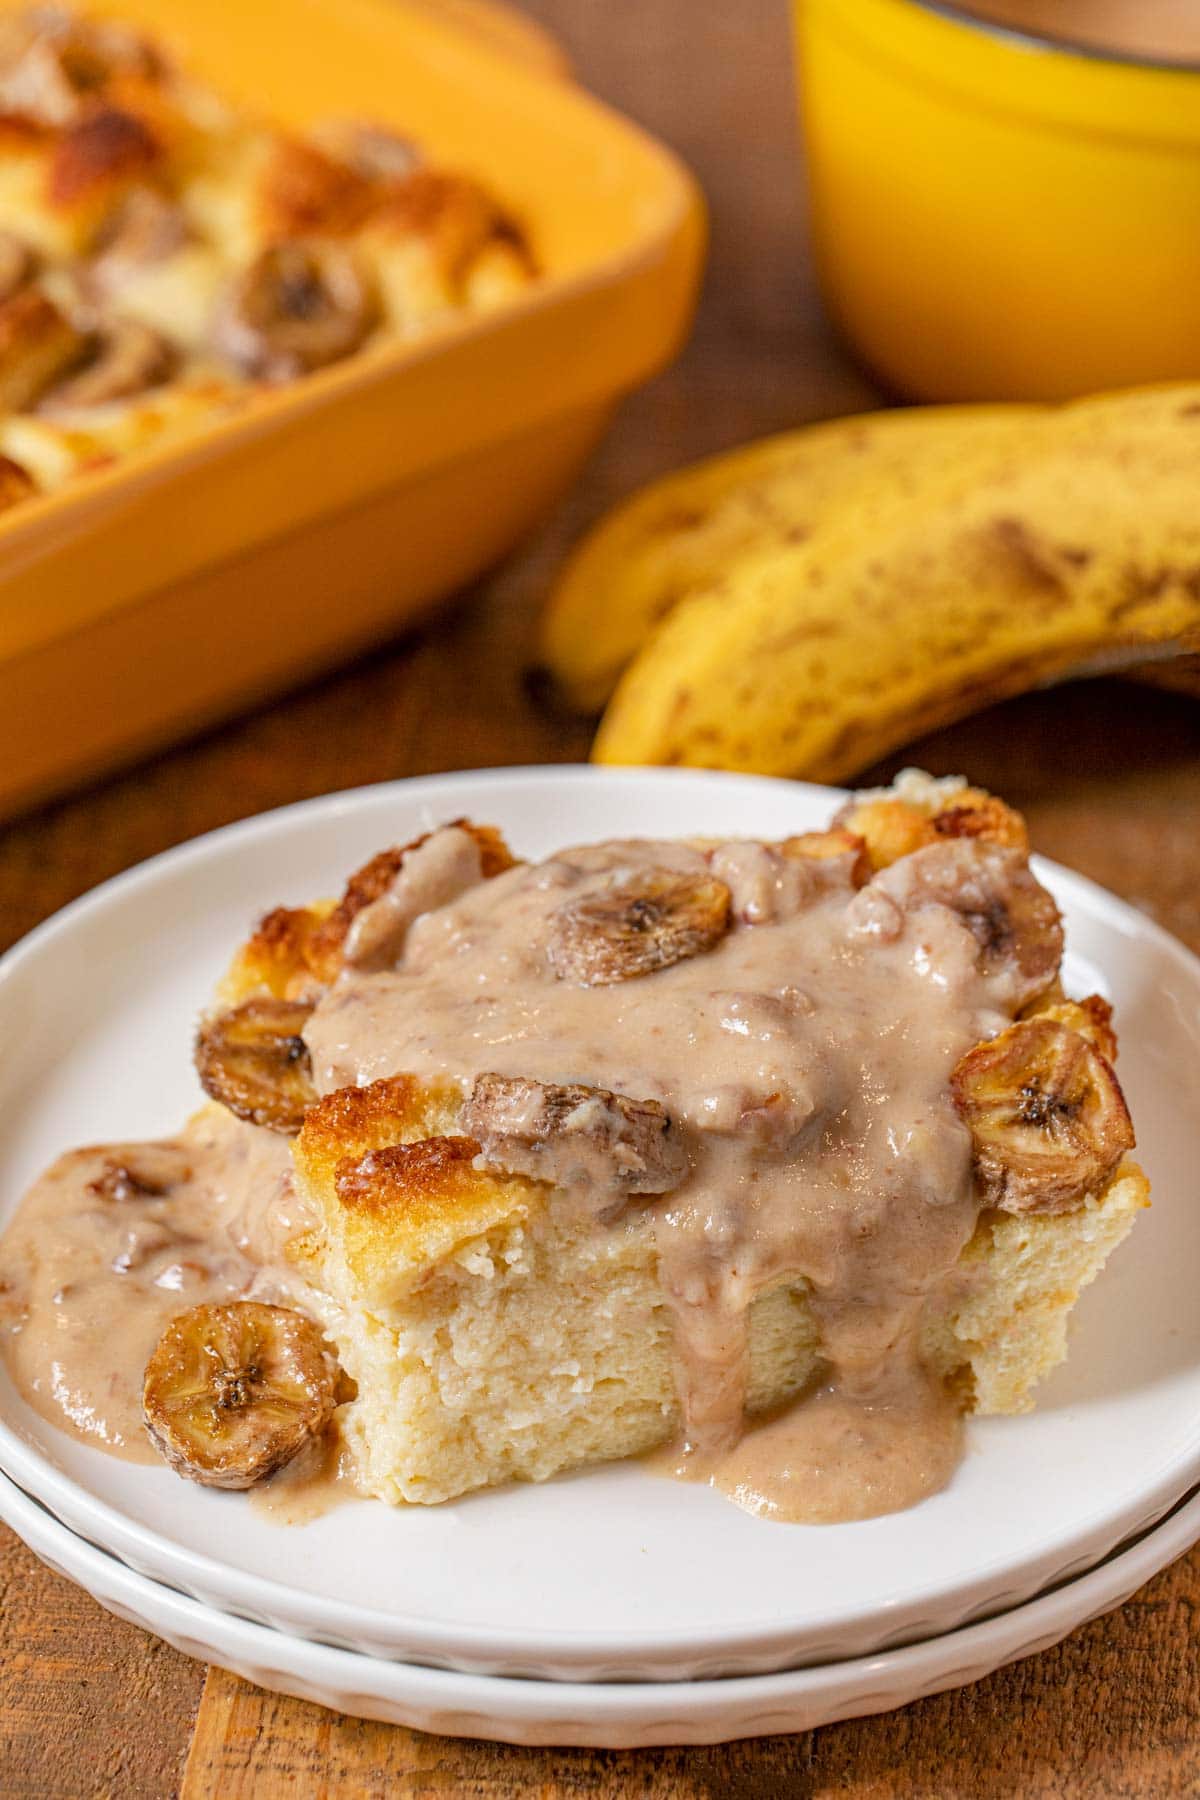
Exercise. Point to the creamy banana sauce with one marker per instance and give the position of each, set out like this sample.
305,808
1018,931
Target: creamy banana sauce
804,1060
113,1241
801,1062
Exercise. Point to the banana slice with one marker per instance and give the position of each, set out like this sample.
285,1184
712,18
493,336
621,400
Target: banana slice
1007,910
146,1172
254,1061
637,926
1046,1113
233,1392
297,307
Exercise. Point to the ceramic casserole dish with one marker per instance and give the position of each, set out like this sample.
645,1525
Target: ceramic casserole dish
148,597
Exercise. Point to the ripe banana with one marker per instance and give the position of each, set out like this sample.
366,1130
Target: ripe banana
682,531
1072,547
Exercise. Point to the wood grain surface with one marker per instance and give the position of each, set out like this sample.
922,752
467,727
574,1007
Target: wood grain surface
1110,777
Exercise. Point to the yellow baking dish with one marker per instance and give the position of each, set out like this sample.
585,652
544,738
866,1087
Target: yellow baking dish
998,216
160,593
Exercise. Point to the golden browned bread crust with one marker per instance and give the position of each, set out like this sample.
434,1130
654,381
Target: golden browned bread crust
397,1183
323,951
304,192
275,957
454,215
343,1126
296,950
100,154
920,810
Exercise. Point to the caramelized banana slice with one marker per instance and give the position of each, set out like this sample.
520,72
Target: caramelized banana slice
571,1133
254,1061
1046,1113
233,1392
297,307
1007,910
637,925
147,1172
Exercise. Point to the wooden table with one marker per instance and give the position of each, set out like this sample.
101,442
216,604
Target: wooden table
1110,777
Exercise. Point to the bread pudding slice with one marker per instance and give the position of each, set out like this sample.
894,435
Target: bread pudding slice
493,1336
557,1223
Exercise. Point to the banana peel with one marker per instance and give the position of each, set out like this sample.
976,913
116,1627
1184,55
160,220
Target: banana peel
1072,548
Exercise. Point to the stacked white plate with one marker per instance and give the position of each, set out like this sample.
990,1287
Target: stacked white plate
637,1611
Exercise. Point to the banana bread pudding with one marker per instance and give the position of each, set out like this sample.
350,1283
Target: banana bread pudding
773,1159
163,256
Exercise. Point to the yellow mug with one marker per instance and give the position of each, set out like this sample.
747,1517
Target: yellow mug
998,216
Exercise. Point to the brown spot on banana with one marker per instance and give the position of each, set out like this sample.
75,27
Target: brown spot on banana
1032,561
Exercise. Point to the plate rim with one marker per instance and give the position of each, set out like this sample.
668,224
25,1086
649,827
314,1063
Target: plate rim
622,1714
477,1645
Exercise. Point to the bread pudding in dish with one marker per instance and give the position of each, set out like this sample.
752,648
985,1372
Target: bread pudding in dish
771,1161
163,256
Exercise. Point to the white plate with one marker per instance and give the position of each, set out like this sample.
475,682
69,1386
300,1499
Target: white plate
614,1572
607,1716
